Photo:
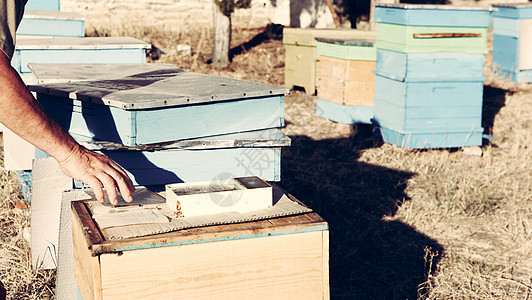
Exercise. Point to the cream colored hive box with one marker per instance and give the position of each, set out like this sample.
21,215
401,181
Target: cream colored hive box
283,257
218,196
301,59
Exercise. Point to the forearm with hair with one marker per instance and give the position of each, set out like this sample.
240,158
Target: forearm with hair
24,116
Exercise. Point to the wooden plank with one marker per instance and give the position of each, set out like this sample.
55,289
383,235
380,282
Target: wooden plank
90,229
275,267
346,82
291,224
325,267
359,93
525,44
86,266
331,76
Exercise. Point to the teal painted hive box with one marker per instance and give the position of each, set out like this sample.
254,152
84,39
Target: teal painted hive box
408,113
51,24
413,28
254,153
432,15
98,50
424,67
155,107
512,41
49,5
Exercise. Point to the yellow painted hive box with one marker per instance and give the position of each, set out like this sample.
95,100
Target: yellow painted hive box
301,59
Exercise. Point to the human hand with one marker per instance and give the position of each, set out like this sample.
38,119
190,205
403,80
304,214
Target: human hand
96,170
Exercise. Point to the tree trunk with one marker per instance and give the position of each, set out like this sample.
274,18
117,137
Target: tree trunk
221,38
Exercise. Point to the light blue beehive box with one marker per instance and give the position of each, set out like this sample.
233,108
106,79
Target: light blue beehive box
512,41
48,5
162,106
429,99
97,50
249,153
43,23
254,153
414,28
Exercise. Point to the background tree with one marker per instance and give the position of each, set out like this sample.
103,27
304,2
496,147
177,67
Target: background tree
222,29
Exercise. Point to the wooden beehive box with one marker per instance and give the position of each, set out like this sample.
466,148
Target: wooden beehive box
155,107
51,24
429,75
345,74
512,41
18,154
415,28
253,153
279,258
439,114
422,67
49,5
97,50
301,58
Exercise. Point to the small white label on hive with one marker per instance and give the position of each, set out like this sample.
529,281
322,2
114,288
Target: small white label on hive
219,196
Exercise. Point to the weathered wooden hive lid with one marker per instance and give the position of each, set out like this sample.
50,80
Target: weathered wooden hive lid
52,15
160,88
82,43
58,73
513,5
431,6
348,41
307,36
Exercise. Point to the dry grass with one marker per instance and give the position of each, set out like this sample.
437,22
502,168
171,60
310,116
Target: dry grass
405,224
15,263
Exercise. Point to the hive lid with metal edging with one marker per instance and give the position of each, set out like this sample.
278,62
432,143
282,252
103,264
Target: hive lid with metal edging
158,90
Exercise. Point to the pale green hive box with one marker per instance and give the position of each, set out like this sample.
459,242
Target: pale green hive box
301,57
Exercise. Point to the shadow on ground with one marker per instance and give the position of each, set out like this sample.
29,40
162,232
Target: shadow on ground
370,258
493,100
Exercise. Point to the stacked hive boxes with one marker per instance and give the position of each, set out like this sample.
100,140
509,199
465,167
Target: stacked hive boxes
301,61
47,35
345,84
164,125
512,41
429,75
